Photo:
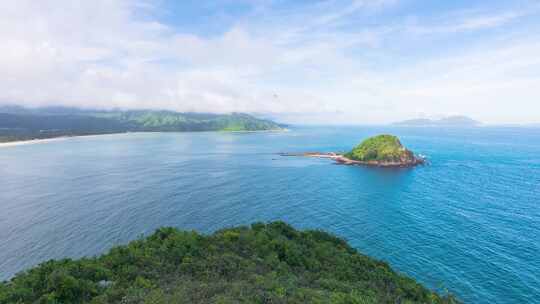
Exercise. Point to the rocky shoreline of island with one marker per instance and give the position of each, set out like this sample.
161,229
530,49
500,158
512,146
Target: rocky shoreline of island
341,159
384,151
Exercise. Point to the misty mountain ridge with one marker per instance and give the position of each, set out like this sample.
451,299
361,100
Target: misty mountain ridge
450,121
67,110
19,123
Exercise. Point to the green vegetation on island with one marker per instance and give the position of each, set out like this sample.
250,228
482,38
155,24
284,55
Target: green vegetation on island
17,123
263,263
382,149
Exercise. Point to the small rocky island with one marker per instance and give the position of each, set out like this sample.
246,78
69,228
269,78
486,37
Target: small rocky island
379,151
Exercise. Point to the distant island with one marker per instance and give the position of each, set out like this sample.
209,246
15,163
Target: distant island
378,151
18,123
451,121
261,263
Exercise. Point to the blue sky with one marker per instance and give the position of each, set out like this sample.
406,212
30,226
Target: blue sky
333,61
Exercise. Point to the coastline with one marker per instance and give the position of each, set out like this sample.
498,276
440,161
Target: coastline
53,139
59,138
239,131
31,141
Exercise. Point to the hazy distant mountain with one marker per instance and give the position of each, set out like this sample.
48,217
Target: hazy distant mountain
451,121
18,123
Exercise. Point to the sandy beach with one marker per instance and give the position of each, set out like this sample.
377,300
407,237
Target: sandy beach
46,140
30,142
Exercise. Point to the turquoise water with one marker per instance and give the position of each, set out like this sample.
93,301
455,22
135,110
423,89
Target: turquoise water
469,222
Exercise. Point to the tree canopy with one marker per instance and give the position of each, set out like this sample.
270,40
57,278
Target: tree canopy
262,263
380,148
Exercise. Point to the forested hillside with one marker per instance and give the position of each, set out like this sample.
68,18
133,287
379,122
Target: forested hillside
18,123
263,263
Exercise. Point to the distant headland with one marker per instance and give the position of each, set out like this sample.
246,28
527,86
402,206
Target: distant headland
379,151
450,121
23,124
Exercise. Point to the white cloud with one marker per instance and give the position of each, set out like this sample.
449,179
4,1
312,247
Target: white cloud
469,23
302,65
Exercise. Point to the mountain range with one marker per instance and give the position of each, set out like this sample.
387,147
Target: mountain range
19,123
450,121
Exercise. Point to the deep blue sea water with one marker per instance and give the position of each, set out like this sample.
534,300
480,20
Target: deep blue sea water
469,222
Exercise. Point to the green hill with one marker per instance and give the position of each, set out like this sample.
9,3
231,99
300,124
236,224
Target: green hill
17,123
263,263
381,148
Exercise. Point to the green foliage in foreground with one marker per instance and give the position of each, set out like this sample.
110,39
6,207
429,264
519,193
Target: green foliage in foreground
380,148
264,263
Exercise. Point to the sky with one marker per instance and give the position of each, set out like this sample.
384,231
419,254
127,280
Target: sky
311,62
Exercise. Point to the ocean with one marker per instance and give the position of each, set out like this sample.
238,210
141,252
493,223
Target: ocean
468,222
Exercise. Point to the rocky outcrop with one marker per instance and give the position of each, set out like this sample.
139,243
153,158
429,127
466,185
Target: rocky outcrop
380,151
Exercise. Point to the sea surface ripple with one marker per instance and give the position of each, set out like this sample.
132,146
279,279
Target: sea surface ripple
469,222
